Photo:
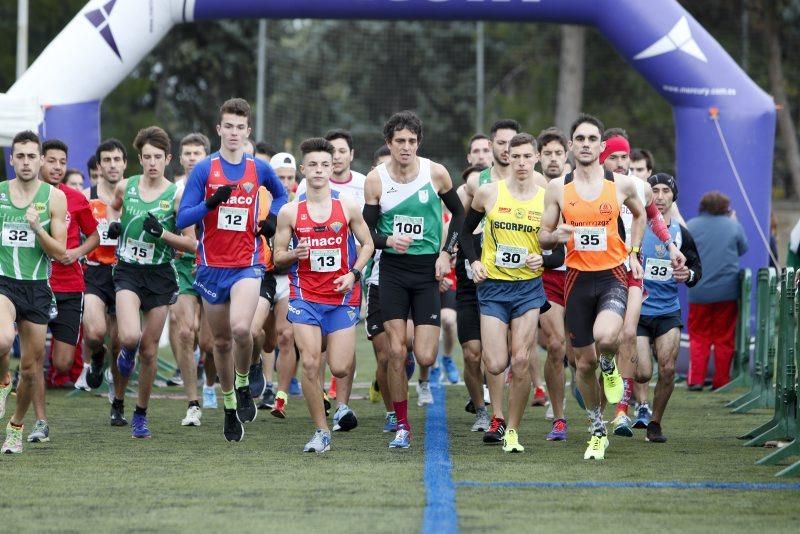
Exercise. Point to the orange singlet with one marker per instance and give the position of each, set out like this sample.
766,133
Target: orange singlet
598,240
105,253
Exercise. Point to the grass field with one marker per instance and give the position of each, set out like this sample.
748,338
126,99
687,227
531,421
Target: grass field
92,477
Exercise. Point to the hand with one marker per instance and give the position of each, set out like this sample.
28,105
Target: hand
69,257
152,226
564,232
445,284
32,216
344,284
114,230
534,261
636,267
442,265
681,274
479,272
302,250
222,194
400,243
676,257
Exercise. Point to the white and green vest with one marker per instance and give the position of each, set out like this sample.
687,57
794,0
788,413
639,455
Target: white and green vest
21,255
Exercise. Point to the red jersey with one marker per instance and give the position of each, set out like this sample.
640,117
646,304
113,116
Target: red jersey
69,278
227,236
332,254
106,251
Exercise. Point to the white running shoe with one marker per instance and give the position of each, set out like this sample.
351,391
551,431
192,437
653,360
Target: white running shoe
193,415
81,382
482,421
548,413
486,400
424,394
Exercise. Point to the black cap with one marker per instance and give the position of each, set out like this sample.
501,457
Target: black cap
665,179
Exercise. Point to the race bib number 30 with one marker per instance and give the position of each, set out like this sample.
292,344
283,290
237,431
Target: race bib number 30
234,219
657,270
102,229
16,234
325,260
508,256
139,251
591,239
412,227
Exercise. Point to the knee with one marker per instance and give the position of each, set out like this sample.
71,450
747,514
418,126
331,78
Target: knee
223,345
311,364
586,365
556,349
285,338
129,340
607,342
147,356
520,363
93,333
340,371
240,332
472,357
62,364
494,367
27,373
6,342
666,371
186,334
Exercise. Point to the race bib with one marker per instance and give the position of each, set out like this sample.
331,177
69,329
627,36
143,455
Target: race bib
591,239
138,251
325,260
412,227
234,219
18,234
658,270
508,256
102,229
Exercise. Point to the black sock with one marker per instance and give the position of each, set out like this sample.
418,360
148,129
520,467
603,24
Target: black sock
194,403
118,404
140,411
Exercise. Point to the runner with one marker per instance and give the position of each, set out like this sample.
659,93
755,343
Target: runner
596,285
33,227
222,198
144,278
508,274
66,280
660,321
479,153
325,295
93,165
405,218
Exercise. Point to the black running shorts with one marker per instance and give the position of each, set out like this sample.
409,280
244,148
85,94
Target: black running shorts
653,326
587,293
155,285
66,327
374,322
32,299
408,283
100,282
268,286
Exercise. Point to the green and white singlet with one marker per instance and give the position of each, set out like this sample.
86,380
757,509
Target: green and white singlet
21,255
136,246
411,209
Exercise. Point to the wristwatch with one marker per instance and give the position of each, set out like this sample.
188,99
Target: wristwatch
356,273
635,249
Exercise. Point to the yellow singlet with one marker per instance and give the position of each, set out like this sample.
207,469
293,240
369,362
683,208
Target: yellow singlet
510,234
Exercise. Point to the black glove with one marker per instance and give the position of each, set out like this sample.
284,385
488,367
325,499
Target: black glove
152,226
114,230
267,227
222,194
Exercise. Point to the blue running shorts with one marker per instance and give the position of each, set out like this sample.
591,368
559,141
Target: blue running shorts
508,300
328,317
214,283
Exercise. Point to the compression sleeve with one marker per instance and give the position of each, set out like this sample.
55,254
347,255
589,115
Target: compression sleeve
465,241
453,203
556,258
270,180
193,206
689,249
371,213
656,222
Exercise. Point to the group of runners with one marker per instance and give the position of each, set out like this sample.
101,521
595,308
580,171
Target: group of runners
583,259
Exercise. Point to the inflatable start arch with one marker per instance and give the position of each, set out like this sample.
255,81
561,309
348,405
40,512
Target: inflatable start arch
724,121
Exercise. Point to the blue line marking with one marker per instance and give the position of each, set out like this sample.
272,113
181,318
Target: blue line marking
646,484
440,493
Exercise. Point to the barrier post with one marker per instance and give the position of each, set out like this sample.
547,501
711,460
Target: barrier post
741,360
794,469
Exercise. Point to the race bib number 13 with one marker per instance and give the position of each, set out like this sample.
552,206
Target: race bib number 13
325,260
591,239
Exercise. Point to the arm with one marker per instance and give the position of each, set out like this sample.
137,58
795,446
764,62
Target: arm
116,201
192,206
88,225
54,243
281,255
692,272
634,204
556,258
550,232
270,180
741,240
372,211
358,227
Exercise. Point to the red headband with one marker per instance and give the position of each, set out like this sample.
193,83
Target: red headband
615,144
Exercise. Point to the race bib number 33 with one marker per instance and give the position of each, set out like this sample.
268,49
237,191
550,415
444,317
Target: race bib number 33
591,239
657,270
412,227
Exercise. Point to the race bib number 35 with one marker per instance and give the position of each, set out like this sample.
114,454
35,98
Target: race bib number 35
17,234
412,227
139,251
657,270
234,219
591,239
508,256
325,260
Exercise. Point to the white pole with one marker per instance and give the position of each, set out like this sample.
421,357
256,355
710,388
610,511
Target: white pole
479,78
261,80
22,37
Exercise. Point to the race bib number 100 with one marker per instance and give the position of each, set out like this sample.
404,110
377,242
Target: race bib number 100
412,227
591,239
17,234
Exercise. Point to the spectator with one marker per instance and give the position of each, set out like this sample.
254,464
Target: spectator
713,310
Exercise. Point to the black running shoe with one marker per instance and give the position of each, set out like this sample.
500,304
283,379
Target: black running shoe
233,429
496,432
256,378
118,416
245,407
94,378
267,400
654,433
470,407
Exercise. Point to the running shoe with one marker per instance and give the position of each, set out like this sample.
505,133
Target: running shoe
487,400
81,383
511,442
549,414
210,397
125,365
539,397
612,384
40,432
559,431
654,433
4,392
436,375
320,442
139,427
118,416
13,442
176,379
622,425
256,378
575,391
390,424
193,415
375,392
450,369
597,448
268,399
326,402
402,440
469,407
232,428
424,395
332,388
294,388
482,421
245,407
94,378
643,415
344,419
411,364
497,429
279,409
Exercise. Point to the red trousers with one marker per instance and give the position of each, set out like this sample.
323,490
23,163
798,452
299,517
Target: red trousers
711,325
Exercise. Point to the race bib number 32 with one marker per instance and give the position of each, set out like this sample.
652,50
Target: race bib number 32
17,234
234,219
591,239
657,270
412,227
325,260
511,257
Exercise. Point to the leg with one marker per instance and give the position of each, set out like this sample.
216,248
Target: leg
309,341
724,343
287,360
700,324
244,301
523,337
380,344
128,324
552,324
148,352
32,340
628,359
473,377
183,327
667,346
220,329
